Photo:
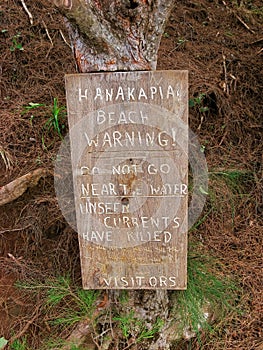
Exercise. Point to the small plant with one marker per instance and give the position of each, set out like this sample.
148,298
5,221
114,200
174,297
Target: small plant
54,123
57,343
57,290
181,42
136,328
126,323
227,189
197,102
19,345
54,343
75,303
208,295
146,333
16,45
234,178
201,220
31,106
74,347
61,289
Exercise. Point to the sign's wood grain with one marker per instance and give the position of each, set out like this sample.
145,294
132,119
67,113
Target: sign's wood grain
129,147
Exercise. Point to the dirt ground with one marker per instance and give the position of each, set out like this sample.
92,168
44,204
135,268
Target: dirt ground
220,43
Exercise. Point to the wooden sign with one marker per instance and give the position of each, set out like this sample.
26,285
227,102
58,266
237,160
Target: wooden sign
129,151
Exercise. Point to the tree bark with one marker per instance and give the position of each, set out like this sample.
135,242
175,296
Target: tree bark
115,35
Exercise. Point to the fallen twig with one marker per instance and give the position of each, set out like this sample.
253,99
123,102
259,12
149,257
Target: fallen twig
48,35
28,12
64,39
240,19
256,41
244,24
15,229
226,89
25,328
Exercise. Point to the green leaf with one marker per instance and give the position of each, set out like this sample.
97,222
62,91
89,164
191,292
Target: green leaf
19,47
191,102
204,109
3,342
34,105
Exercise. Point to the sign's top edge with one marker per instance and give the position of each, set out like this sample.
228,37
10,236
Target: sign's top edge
128,72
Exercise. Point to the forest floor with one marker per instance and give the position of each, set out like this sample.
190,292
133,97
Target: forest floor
220,43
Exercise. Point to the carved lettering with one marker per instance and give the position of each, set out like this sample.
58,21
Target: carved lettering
129,139
139,281
130,177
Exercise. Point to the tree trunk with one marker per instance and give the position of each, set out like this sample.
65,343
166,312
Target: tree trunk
115,35
121,35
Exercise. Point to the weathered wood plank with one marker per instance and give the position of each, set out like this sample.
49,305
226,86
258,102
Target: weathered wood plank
129,145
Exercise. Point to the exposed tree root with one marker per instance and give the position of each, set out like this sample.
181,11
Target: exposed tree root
16,188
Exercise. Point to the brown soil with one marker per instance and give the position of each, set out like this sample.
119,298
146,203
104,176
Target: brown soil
220,43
